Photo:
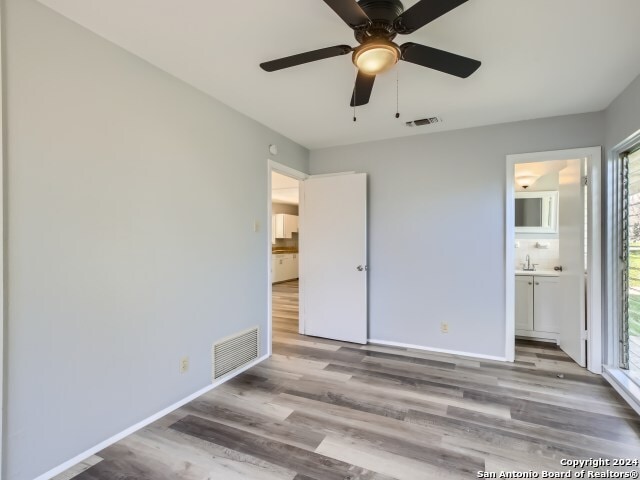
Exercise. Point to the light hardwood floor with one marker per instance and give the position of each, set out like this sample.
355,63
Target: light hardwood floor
320,409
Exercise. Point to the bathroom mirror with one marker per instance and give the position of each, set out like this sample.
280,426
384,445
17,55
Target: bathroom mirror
536,212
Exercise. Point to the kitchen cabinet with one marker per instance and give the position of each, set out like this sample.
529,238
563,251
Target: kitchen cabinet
537,306
284,266
285,225
273,229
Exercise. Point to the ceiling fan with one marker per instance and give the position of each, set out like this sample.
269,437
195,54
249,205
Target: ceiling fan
376,23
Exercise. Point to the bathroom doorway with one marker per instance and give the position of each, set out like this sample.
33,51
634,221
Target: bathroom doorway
552,268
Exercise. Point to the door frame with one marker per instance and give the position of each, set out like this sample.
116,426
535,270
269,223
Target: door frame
593,155
3,250
273,166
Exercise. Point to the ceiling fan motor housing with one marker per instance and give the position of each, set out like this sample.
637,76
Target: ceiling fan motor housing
382,10
382,14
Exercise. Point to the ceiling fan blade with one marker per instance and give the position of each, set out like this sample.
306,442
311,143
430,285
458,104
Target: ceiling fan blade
423,12
306,57
350,12
439,60
362,89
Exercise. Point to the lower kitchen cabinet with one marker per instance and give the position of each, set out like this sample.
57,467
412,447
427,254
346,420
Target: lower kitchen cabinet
537,306
284,266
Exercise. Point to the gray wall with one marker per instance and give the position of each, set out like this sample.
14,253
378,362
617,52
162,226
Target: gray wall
622,118
121,255
436,226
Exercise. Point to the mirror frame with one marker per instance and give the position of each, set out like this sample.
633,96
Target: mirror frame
549,211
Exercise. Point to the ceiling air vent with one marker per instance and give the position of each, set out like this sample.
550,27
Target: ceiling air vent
424,121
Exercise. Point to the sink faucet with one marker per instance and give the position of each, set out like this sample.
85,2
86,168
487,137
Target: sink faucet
528,267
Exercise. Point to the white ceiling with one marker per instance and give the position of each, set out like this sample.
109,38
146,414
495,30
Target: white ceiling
284,189
540,58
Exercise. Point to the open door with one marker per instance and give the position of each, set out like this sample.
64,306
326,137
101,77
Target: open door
333,239
571,228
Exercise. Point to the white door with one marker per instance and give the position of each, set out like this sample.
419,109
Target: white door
333,242
571,285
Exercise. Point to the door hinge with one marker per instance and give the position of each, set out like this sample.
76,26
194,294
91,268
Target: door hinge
584,335
585,180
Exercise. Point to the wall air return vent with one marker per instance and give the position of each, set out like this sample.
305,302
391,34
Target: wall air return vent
234,352
424,121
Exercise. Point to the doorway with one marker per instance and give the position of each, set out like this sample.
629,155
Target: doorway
331,253
552,252
284,187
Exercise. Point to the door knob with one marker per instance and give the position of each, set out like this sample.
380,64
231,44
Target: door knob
558,269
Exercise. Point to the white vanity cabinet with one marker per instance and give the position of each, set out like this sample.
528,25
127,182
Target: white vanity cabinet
524,303
537,306
284,225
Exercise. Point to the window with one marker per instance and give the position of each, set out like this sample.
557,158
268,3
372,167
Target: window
629,324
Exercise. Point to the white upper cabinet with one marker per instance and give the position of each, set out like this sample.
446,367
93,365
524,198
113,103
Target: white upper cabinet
273,229
285,225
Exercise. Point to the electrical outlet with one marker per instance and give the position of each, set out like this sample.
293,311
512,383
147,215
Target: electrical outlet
444,327
184,364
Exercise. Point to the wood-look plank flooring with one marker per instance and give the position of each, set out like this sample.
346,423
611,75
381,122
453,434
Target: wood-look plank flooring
321,409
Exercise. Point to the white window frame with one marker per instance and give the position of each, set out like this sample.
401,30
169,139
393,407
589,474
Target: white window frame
612,372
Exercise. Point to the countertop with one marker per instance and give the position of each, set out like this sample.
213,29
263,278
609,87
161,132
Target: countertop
539,273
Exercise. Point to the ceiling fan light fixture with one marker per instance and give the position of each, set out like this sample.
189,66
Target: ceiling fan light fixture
376,57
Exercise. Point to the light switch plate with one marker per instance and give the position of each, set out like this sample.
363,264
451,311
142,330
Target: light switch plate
184,364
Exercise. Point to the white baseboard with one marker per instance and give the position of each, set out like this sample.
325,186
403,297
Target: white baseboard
119,436
624,386
438,350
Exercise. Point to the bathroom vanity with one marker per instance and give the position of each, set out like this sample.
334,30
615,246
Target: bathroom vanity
538,308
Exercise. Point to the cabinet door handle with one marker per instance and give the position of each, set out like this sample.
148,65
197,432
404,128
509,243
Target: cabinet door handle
530,283
537,283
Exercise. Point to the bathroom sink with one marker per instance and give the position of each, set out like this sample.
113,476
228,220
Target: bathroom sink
540,273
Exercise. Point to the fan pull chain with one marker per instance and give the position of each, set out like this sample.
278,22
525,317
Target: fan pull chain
397,92
355,97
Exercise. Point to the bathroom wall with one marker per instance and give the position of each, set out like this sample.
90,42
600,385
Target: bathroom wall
545,258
